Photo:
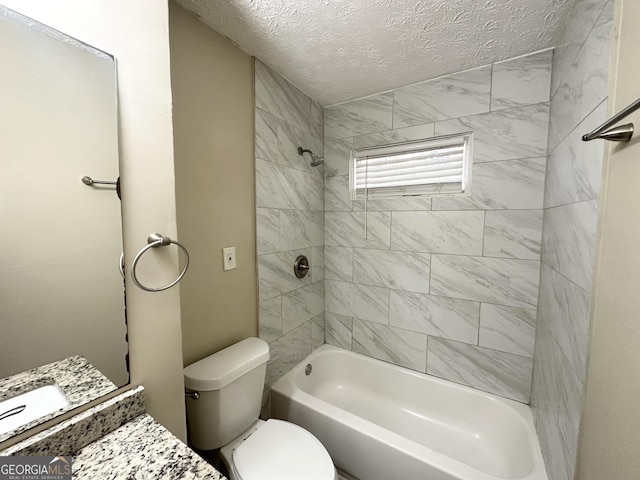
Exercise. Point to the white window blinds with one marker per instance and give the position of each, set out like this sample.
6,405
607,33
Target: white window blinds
440,165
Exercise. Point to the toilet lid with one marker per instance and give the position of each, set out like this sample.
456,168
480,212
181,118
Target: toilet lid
282,451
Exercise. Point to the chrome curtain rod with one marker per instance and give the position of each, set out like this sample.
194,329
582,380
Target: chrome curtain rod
621,133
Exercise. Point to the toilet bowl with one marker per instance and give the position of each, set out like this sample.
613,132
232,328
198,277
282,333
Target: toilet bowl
278,450
224,414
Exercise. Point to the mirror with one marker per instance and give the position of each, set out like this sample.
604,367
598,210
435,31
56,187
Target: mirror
61,290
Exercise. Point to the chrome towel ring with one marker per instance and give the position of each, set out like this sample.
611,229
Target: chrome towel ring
156,240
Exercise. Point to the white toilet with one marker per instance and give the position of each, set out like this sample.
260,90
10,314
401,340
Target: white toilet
225,415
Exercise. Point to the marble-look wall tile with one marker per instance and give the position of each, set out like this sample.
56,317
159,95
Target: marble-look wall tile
521,81
289,139
359,117
584,14
398,270
317,120
287,352
289,220
300,229
346,229
504,135
507,329
438,232
439,316
495,372
406,134
552,446
266,136
301,305
556,398
565,310
512,184
336,156
337,197
586,83
545,392
578,104
569,240
453,96
317,331
317,264
267,230
275,273
507,189
394,204
292,137
277,96
270,319
569,411
280,187
574,168
353,300
400,347
315,189
513,234
338,263
338,330
501,281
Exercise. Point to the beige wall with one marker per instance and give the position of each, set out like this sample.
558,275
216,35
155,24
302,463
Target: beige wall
137,34
212,83
610,439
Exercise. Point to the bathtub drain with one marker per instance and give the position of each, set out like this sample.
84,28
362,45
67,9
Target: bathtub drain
307,369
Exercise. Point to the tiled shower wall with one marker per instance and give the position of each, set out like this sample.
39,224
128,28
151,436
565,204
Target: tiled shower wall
289,221
449,285
578,104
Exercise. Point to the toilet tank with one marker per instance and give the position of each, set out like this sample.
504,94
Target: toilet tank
229,384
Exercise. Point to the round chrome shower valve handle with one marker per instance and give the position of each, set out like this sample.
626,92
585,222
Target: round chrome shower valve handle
301,266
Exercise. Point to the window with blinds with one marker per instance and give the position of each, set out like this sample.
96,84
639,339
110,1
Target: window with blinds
435,166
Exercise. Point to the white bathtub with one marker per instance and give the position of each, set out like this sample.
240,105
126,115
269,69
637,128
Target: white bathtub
380,422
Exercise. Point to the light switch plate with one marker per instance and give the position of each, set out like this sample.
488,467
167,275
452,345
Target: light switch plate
228,258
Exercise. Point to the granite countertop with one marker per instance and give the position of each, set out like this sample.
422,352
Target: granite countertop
116,439
141,449
78,379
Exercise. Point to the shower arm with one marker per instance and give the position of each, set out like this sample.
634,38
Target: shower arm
315,160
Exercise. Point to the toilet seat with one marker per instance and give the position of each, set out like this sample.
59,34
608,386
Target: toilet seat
280,450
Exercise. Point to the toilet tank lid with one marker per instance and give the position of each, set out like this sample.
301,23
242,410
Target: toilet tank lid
220,369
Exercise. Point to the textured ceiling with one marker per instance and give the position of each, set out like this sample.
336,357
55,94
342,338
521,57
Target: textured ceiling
338,50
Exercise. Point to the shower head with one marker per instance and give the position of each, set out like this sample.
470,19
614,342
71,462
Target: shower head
315,160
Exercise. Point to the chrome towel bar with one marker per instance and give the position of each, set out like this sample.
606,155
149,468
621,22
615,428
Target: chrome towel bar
156,240
621,133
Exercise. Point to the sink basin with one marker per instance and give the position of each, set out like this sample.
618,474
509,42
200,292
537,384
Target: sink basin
27,407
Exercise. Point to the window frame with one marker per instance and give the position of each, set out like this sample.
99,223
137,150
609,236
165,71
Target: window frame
425,189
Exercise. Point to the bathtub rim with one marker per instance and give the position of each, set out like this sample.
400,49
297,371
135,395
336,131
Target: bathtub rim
287,388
